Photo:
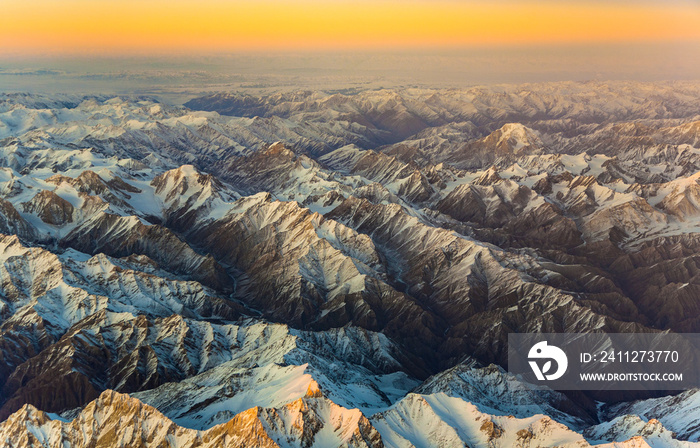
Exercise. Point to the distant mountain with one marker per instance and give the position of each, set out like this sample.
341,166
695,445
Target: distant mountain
312,269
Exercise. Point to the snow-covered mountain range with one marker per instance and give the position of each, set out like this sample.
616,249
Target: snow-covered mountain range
311,269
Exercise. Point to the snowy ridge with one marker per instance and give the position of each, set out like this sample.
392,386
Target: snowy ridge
285,270
312,420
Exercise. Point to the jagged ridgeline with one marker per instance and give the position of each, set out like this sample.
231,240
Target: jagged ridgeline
311,269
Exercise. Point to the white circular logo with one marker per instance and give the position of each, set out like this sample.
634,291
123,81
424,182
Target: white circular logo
542,351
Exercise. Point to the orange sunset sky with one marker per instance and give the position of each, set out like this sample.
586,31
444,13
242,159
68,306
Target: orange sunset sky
33,27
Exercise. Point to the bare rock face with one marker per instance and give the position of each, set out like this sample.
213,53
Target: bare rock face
144,355
98,425
468,285
12,223
50,208
310,421
524,217
89,184
121,236
303,269
302,422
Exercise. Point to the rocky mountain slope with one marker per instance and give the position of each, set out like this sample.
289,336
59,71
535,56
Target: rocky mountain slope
311,269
